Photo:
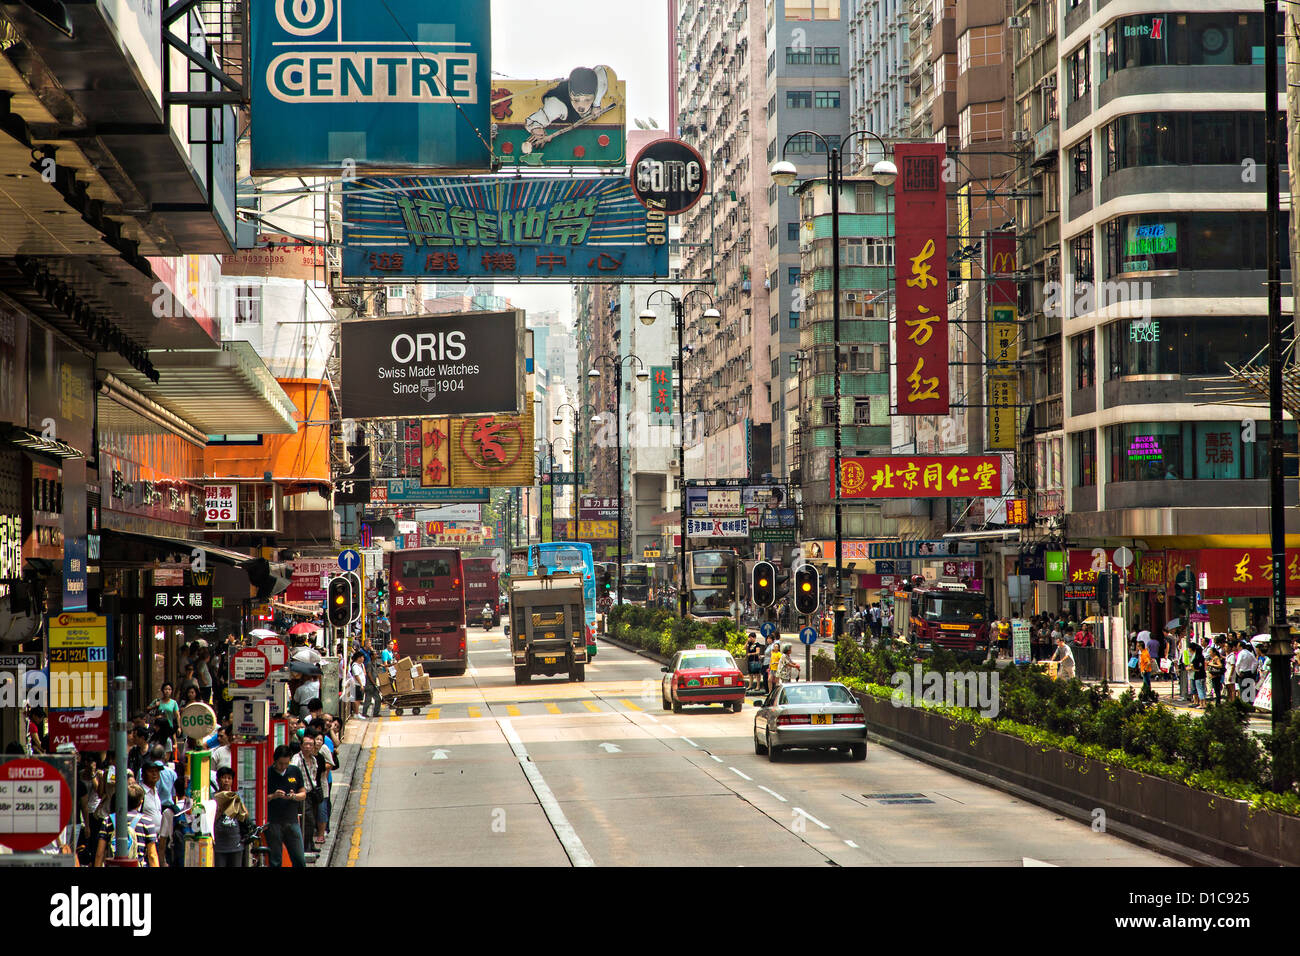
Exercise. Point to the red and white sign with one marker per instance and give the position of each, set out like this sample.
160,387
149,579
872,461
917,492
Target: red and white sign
35,804
84,729
222,502
305,584
249,667
921,267
276,651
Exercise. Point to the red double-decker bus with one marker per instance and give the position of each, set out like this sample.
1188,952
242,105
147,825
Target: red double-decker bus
482,586
427,608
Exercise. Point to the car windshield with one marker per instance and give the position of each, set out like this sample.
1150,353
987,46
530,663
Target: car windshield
817,694
962,609
701,661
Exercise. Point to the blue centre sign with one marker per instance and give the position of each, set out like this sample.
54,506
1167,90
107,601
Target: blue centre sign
808,636
349,560
342,85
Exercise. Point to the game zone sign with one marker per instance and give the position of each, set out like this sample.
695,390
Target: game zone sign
222,502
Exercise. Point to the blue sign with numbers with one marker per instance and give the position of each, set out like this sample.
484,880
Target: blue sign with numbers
768,629
349,560
808,636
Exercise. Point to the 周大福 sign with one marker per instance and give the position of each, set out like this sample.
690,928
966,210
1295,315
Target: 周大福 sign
580,120
432,364
669,177
188,604
342,85
499,228
921,476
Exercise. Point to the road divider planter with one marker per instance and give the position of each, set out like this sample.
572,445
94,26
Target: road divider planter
1140,804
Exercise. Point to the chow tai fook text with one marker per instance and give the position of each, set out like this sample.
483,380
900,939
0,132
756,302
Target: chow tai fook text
424,365
921,476
500,228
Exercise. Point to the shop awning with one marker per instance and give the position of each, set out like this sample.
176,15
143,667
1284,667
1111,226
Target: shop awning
223,391
166,545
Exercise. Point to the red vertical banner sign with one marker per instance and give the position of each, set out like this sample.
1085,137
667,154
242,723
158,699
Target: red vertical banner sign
921,279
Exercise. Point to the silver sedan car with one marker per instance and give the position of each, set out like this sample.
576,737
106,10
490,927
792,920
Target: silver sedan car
819,714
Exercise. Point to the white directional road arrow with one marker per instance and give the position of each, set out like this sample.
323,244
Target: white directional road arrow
440,754
610,749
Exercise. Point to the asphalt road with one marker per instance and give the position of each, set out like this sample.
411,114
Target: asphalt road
561,774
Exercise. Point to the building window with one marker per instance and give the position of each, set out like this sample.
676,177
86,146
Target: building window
828,55
981,123
1201,345
771,106
1185,39
248,305
1081,256
772,237
799,99
828,99
792,231
980,46
945,73
771,281
1079,73
1085,458
812,9
794,364
798,57
1197,240
772,324
1081,167
801,143
1085,366
792,274
794,320
1185,139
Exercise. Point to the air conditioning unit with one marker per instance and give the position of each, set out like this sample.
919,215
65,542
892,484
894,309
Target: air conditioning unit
1049,81
1018,23
1020,136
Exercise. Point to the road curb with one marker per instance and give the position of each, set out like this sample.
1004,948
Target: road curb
344,781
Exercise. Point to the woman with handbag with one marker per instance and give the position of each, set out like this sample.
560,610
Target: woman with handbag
754,662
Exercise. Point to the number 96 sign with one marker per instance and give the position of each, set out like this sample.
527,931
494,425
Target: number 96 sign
222,503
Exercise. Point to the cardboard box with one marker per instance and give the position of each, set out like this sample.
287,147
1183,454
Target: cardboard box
422,683
404,666
417,671
405,685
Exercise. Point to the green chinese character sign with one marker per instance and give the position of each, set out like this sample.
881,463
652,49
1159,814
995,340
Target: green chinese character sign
661,389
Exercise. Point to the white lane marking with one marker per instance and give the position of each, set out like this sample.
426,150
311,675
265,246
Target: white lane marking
739,774
773,793
652,717
691,742
564,831
472,671
716,757
851,843
808,816
1030,861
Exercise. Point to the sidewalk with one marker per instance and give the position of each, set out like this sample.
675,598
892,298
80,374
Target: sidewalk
1261,722
350,749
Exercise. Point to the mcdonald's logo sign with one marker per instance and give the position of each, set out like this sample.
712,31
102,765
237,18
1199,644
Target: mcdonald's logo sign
1004,262
999,265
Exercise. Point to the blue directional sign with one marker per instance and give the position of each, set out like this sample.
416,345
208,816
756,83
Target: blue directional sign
349,560
768,629
808,636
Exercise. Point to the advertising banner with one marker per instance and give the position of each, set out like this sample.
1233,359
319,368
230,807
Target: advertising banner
435,452
353,486
669,176
575,121
187,604
492,451
921,272
1002,411
222,503
279,257
1236,572
507,228
342,85
407,491
717,527
593,508
1082,568
597,530
547,507
78,659
470,513
462,364
305,581
661,389
921,476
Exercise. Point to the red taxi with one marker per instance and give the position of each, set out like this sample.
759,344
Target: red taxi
703,676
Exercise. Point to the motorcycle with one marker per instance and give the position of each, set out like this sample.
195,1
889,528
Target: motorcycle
487,621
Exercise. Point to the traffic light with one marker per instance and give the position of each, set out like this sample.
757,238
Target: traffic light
763,581
807,589
357,589
1183,592
1107,590
339,598
604,579
381,586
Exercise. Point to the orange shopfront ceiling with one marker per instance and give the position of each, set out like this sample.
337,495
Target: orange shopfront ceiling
303,457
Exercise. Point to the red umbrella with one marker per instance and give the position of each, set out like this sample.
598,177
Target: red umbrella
304,627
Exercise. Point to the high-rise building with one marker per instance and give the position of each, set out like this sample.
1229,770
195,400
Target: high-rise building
1163,246
879,68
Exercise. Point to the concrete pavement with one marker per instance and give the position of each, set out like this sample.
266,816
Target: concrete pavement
561,774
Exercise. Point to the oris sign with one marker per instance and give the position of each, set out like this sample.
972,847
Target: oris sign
669,177
425,366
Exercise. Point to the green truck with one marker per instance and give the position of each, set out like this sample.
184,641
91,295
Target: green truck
548,626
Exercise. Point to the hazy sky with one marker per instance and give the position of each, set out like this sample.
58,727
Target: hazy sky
546,39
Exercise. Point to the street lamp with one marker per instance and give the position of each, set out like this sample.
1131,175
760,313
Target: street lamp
642,375
648,318
549,458
558,419
884,173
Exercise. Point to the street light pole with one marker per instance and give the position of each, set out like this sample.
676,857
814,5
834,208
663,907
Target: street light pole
884,173
642,374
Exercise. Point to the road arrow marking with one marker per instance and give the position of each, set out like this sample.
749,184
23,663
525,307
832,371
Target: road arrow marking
610,749
808,816
440,754
1030,861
